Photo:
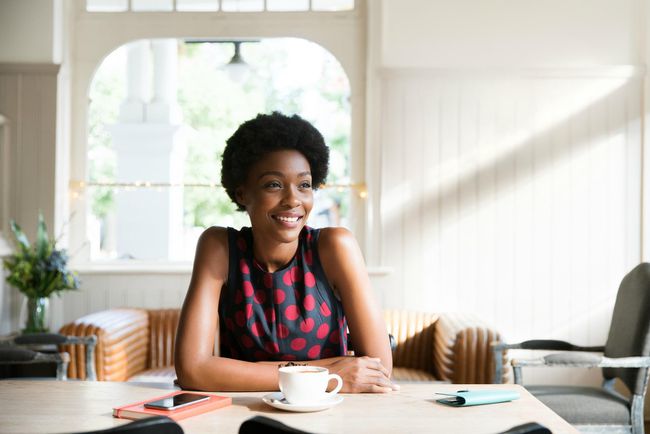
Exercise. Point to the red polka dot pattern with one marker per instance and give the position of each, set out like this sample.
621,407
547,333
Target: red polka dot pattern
307,325
257,329
248,288
325,309
286,278
323,329
272,347
309,302
283,331
270,314
247,341
310,281
298,344
296,274
260,296
314,352
290,314
279,296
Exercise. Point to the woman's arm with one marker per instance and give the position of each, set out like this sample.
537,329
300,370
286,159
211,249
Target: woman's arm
196,366
198,369
345,269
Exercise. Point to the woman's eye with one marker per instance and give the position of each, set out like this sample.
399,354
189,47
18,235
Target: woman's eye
273,184
305,185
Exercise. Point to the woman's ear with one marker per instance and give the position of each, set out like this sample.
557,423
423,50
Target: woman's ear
240,195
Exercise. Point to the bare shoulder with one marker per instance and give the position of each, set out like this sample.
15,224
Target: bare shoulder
338,248
214,236
336,238
212,252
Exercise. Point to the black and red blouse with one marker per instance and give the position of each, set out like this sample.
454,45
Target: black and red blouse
290,314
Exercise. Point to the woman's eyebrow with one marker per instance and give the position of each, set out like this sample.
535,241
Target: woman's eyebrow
280,174
271,172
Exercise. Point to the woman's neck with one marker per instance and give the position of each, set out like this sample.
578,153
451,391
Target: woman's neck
273,255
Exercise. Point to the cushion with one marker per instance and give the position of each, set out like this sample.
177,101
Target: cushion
584,405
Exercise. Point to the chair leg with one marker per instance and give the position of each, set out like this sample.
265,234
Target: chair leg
62,366
91,374
637,414
517,371
498,364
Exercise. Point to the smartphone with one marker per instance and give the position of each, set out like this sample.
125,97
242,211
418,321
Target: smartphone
176,401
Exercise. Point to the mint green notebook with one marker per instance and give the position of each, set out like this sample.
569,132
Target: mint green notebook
464,398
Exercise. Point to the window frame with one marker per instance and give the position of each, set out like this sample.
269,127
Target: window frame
343,33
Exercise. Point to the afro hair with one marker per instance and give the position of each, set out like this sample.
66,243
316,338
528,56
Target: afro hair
256,138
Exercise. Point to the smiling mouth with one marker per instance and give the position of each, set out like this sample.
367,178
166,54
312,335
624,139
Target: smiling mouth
287,219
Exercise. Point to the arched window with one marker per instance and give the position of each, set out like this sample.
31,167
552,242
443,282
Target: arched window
159,115
162,104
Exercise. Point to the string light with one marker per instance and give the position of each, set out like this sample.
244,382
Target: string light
77,187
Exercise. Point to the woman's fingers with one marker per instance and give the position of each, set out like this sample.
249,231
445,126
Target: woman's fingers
375,363
379,389
363,374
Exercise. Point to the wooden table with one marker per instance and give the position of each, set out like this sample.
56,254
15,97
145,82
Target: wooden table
73,406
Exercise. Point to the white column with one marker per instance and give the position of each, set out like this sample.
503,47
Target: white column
163,106
138,82
150,149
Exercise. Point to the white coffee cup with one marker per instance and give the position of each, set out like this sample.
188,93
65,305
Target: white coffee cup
307,384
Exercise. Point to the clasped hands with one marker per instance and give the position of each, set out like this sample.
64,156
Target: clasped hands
362,374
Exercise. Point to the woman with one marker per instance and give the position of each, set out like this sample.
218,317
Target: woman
279,289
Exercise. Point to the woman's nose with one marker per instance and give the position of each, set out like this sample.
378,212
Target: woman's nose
290,198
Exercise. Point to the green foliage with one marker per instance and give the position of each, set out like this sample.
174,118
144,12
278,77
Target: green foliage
38,270
289,75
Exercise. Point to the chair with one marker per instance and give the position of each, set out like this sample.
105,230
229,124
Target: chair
42,347
138,345
150,425
626,356
11,355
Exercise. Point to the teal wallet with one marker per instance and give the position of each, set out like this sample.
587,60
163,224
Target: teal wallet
464,398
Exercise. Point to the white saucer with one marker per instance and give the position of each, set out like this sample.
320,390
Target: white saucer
276,399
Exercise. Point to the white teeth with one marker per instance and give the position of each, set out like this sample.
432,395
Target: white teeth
287,219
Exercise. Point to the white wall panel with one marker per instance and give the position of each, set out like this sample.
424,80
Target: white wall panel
106,290
516,198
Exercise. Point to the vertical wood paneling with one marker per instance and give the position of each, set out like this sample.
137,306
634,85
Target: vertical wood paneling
116,289
513,198
28,102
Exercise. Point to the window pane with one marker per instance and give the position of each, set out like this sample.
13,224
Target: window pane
287,5
332,5
151,5
136,214
106,5
242,5
197,5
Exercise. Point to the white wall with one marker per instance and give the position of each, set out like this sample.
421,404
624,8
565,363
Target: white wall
27,31
509,138
459,33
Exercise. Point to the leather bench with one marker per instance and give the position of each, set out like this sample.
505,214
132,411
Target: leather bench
138,345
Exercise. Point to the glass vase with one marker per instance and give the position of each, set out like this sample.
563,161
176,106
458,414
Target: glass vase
37,315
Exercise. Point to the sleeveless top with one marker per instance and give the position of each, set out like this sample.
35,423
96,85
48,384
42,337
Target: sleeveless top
291,314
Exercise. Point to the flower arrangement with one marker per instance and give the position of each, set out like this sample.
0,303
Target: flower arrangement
38,271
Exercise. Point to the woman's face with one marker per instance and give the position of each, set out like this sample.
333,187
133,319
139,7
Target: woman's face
278,195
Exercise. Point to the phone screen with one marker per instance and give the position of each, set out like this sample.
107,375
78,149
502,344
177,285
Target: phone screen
176,401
